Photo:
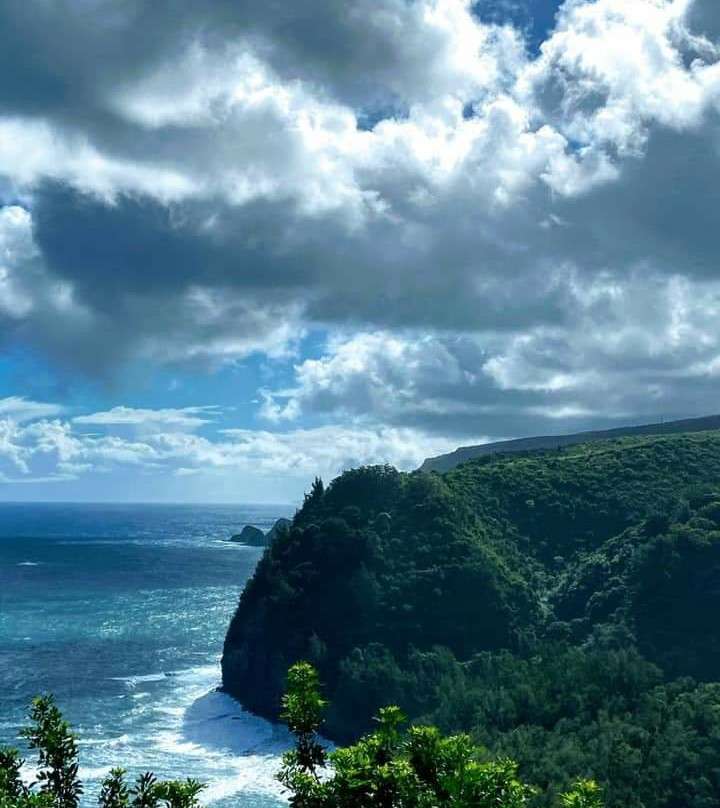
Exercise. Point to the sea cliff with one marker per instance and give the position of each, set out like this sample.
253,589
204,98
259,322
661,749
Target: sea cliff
525,598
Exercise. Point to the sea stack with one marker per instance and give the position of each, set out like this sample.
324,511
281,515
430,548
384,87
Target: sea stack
250,535
280,525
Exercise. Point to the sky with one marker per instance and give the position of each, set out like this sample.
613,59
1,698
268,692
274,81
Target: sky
243,244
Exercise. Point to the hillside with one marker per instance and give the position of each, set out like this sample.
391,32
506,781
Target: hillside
445,462
549,602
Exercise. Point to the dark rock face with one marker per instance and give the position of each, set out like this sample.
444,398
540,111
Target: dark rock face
250,535
254,537
281,524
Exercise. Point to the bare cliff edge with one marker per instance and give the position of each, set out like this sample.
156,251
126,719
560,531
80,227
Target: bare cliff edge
446,462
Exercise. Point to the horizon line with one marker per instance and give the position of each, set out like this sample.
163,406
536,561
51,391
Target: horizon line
142,502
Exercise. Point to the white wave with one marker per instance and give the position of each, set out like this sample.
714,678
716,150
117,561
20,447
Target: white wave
253,779
216,722
186,727
93,772
118,741
133,681
28,564
240,752
190,728
28,774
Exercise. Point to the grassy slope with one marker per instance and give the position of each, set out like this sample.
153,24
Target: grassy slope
445,462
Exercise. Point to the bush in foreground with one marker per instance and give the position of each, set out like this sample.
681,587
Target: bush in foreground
387,768
57,784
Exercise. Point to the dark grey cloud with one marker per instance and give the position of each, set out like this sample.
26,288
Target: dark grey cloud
199,189
633,349
63,58
452,278
140,246
704,18
133,262
660,212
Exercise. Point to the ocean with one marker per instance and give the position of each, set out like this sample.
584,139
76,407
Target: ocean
120,611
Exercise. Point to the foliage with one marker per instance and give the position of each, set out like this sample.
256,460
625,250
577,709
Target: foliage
50,735
391,769
11,784
585,794
114,792
545,603
144,792
179,793
148,792
13,791
602,712
388,768
302,711
57,784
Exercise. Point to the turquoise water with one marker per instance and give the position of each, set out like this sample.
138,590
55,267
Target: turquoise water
120,611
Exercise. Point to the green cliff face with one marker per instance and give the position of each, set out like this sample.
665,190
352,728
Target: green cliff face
546,602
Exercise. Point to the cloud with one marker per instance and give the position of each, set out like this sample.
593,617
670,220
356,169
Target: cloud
389,378
327,450
704,19
84,319
25,286
632,348
48,450
185,418
234,167
21,409
495,238
15,248
389,47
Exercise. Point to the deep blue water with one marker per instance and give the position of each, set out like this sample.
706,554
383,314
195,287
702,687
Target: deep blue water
120,611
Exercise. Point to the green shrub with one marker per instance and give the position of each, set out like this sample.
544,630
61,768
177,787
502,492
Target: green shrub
57,784
389,768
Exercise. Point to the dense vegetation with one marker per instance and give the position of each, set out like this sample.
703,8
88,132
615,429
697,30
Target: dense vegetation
385,769
554,605
389,769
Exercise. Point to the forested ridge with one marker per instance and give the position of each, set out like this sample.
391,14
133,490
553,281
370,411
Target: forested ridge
444,462
560,606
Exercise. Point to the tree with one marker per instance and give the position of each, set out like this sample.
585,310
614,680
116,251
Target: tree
114,792
303,708
316,492
50,735
12,787
389,768
58,785
585,794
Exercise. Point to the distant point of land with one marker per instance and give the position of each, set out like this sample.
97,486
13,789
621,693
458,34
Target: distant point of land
445,462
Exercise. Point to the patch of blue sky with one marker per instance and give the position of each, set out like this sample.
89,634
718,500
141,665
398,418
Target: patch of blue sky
369,117
233,389
536,18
